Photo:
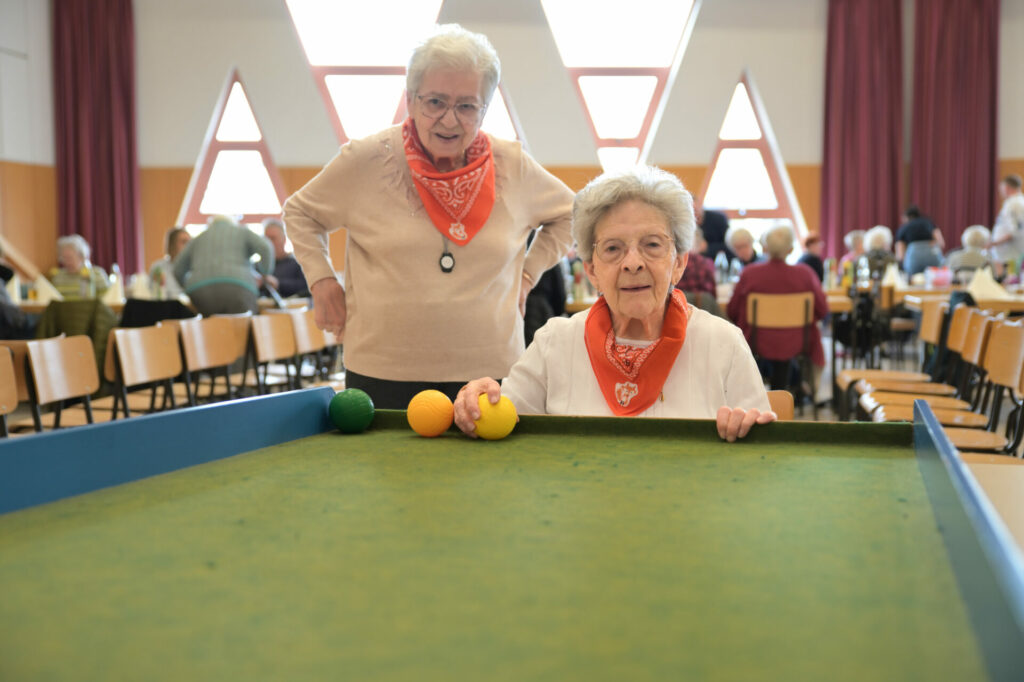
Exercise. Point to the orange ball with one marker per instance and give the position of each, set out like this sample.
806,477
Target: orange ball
430,413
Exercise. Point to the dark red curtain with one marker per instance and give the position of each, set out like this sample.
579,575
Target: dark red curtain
94,104
862,159
953,144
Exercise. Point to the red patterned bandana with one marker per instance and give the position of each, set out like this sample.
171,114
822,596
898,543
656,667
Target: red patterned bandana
458,202
630,377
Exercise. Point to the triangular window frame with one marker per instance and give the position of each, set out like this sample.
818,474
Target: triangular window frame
788,208
665,76
190,213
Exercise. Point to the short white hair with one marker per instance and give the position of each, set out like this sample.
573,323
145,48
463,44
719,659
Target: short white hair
76,242
976,237
878,238
852,238
657,188
737,233
453,47
778,241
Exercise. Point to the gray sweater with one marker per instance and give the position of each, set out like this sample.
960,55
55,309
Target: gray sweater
221,254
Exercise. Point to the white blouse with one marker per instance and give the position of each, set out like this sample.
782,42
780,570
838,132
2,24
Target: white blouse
714,368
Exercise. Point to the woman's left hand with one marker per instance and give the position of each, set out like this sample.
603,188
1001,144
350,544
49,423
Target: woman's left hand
735,422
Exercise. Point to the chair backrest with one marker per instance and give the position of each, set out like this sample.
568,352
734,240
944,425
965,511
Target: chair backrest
308,337
886,297
147,354
780,311
8,382
272,337
241,323
979,326
1004,357
19,356
958,327
62,367
933,311
782,404
207,342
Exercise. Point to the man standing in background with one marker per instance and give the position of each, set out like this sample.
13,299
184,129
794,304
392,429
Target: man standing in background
1008,232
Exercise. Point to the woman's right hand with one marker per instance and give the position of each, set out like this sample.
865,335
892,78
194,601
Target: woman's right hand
467,405
329,306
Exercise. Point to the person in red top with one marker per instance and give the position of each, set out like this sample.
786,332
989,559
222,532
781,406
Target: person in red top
698,280
777,277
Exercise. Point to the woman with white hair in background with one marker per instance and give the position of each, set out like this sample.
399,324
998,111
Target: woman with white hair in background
437,215
778,277
854,243
641,350
741,241
76,277
877,251
974,254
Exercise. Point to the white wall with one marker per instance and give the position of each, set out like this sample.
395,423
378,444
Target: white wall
26,101
1010,135
186,47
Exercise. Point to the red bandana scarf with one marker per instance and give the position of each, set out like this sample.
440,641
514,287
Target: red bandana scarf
458,202
631,381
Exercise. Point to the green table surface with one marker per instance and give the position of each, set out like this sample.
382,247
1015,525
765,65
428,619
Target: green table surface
571,550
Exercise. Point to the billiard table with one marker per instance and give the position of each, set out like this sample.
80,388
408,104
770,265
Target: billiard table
249,540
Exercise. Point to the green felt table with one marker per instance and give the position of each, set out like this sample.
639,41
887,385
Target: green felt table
586,549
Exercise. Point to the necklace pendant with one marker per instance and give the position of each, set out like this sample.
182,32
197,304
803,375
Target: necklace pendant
447,262
457,231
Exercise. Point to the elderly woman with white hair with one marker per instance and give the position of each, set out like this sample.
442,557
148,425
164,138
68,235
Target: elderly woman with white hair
974,254
640,350
76,277
436,215
741,242
778,277
877,251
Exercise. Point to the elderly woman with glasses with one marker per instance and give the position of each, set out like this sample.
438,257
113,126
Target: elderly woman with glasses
641,350
437,215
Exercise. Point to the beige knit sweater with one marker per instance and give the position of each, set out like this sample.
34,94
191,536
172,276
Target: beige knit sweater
408,320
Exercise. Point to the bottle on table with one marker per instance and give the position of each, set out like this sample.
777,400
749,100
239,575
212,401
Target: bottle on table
721,268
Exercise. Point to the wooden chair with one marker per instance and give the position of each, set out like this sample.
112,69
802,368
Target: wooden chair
146,357
61,369
19,358
8,388
272,341
957,335
310,344
932,314
784,311
209,348
782,404
241,324
1005,369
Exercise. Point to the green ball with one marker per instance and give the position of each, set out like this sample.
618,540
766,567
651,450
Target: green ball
351,410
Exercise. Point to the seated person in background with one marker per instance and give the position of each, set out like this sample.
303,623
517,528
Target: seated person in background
162,271
640,350
777,277
878,242
76,277
216,267
974,254
698,280
14,324
714,225
287,277
854,243
741,242
812,256
919,243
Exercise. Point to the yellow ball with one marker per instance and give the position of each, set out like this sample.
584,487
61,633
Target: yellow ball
496,421
430,413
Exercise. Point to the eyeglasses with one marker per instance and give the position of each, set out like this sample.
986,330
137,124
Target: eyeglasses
650,247
469,113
